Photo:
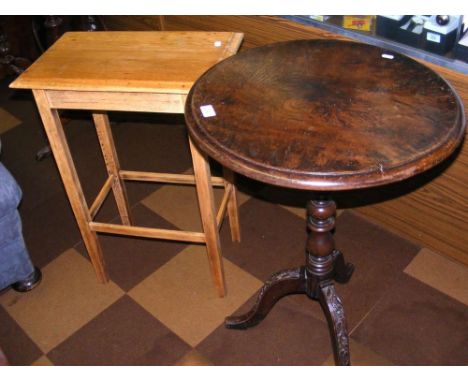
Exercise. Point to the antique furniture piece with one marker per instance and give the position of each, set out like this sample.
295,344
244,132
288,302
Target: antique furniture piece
322,115
137,72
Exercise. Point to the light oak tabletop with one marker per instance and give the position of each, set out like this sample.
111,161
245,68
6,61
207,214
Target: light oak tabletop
163,62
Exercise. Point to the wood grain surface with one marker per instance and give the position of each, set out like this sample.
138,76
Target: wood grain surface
325,115
128,61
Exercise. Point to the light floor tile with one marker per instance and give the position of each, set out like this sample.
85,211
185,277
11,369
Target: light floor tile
42,361
440,273
194,358
298,211
7,121
178,204
182,296
360,356
68,297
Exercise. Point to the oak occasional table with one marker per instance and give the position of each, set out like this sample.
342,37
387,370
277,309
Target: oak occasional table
322,115
136,72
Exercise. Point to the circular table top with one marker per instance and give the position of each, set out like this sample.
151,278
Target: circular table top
324,115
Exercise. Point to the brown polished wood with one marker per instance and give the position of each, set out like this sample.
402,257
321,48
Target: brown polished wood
137,72
433,213
322,115
330,116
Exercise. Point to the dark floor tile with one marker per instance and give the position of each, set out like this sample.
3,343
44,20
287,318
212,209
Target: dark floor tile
123,334
137,191
152,146
141,146
415,324
49,230
38,180
7,93
272,239
285,337
379,258
130,260
285,196
23,141
148,146
90,166
144,144
248,186
86,153
15,343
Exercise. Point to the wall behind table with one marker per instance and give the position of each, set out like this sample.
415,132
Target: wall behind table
432,210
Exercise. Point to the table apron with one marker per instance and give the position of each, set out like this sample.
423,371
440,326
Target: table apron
117,101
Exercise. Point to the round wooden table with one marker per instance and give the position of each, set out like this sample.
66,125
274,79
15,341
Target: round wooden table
322,115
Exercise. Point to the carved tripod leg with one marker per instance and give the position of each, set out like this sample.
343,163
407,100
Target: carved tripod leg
333,308
285,282
343,270
323,265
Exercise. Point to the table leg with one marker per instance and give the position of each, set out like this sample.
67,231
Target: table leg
324,264
61,151
201,169
334,312
283,283
109,153
232,206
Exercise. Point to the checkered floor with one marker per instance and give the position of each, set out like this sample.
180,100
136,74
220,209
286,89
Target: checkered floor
405,305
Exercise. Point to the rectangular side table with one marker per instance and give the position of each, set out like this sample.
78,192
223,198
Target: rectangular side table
136,72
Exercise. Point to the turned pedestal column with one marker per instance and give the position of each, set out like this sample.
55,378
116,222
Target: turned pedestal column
323,265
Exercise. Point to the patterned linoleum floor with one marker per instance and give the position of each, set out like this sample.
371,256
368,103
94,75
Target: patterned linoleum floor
405,305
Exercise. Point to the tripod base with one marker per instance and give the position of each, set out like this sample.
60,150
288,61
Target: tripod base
316,280
295,281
